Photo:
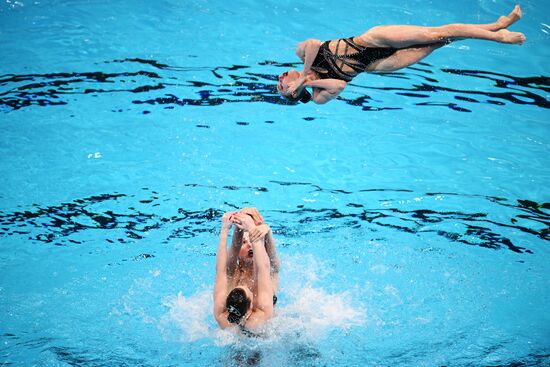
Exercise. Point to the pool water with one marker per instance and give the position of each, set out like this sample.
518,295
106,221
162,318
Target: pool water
411,214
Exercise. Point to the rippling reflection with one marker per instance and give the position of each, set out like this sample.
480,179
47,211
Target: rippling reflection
170,86
123,218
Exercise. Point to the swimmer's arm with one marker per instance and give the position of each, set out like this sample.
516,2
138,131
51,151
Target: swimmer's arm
262,271
236,242
220,285
269,243
325,90
271,250
273,259
307,51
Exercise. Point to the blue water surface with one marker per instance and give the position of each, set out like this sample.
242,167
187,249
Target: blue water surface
411,214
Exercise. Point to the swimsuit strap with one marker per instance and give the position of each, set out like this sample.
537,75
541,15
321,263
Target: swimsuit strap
245,331
344,56
353,44
357,65
248,333
331,60
353,60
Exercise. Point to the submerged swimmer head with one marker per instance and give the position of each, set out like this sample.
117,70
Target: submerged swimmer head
238,302
301,95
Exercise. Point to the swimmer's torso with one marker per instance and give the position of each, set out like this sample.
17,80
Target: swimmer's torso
243,278
346,57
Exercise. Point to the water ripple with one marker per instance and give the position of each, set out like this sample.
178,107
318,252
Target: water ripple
126,218
168,87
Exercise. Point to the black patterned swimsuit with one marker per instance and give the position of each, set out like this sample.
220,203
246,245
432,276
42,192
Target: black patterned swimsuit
329,65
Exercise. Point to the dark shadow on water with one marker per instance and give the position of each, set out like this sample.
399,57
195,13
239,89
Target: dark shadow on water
132,217
168,87
243,357
287,353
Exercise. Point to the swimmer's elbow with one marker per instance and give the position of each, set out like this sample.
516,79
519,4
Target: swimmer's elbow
321,99
221,320
336,88
341,85
275,266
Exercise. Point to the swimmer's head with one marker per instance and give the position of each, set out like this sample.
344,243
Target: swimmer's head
238,302
246,253
301,95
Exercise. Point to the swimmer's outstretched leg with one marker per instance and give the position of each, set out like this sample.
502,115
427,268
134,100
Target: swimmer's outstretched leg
403,36
422,41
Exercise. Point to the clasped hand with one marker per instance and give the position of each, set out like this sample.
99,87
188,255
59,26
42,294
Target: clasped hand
294,85
245,222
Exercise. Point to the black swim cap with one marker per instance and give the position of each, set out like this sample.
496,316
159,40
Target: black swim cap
303,97
237,305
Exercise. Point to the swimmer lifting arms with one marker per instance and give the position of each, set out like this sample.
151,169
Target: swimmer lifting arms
329,66
247,275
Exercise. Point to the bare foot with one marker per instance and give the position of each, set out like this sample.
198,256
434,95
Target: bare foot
506,21
516,14
506,36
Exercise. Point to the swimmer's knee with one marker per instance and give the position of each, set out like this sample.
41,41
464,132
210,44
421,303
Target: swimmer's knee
445,32
376,36
378,28
377,31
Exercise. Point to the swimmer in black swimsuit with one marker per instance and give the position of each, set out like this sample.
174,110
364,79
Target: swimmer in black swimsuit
247,276
330,65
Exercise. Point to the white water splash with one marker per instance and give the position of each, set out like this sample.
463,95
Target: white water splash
313,313
306,313
188,317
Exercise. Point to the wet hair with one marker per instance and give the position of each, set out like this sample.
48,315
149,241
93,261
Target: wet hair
303,97
237,305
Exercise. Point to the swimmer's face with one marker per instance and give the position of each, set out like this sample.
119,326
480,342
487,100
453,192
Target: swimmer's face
284,80
246,252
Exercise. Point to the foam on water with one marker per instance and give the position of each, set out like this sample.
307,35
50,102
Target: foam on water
306,312
188,316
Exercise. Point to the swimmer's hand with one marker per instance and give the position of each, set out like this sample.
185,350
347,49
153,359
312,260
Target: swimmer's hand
255,214
243,222
227,221
294,85
259,232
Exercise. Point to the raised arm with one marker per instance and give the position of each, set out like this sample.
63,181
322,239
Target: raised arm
220,285
271,250
236,243
262,268
264,297
265,231
274,261
325,90
307,51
